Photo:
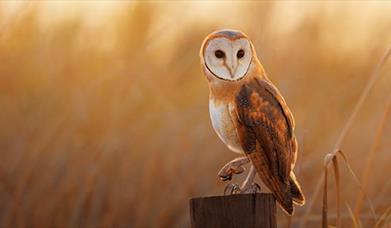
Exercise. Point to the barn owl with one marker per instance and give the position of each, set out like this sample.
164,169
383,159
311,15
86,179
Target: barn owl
251,117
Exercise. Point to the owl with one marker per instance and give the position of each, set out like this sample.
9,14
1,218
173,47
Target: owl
251,117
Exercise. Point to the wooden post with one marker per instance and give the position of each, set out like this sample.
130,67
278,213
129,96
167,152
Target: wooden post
240,210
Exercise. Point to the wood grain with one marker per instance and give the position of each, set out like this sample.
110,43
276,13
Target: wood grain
241,210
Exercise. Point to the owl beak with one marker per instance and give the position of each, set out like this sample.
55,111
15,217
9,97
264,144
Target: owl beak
231,67
233,70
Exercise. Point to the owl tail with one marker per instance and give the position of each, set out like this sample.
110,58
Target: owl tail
296,192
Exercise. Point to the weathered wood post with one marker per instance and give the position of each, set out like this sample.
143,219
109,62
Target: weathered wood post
240,210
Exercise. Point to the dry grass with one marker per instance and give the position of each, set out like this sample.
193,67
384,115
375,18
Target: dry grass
368,168
104,116
332,157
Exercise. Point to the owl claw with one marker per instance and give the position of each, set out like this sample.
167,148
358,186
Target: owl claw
232,189
233,167
253,188
226,177
228,172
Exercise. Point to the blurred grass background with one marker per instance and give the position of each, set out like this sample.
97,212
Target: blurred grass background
104,110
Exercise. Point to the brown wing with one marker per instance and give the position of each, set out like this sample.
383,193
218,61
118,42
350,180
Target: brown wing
265,129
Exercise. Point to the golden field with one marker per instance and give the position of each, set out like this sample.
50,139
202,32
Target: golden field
104,116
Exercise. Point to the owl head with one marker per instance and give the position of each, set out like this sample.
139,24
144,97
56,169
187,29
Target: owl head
227,55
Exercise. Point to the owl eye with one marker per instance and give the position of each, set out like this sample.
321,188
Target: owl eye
240,54
219,54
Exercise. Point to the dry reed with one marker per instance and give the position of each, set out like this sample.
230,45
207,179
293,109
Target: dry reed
356,222
383,218
367,171
331,157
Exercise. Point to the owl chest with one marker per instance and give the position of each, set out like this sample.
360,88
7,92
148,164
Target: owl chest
223,125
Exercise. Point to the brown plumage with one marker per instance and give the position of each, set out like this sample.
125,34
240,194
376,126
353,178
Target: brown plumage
250,115
265,129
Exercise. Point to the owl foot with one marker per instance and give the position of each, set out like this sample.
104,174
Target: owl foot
253,188
233,167
231,189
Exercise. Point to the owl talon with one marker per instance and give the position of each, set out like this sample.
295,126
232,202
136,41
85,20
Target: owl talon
233,167
254,188
232,189
227,172
226,178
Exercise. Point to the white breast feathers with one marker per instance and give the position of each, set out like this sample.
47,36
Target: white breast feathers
224,126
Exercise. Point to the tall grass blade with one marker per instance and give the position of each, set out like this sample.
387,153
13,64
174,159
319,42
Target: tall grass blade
357,181
338,195
383,219
356,222
324,209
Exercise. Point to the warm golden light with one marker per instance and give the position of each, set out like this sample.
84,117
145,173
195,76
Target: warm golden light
104,110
